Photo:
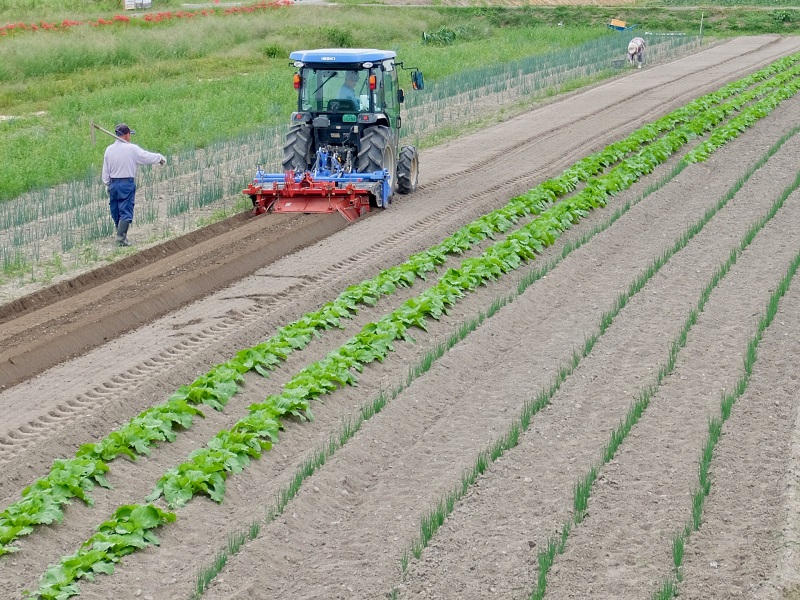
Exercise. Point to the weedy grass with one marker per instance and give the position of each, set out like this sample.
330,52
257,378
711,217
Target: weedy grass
452,105
183,96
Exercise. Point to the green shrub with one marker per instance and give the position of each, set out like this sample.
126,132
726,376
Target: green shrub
444,36
274,51
782,16
338,37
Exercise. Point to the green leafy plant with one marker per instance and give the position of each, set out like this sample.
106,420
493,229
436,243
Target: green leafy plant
129,529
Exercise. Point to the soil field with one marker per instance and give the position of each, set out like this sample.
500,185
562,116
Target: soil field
635,325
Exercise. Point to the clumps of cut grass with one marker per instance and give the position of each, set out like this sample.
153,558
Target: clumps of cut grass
446,36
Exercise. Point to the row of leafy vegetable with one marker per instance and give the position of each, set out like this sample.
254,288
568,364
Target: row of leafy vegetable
43,502
230,451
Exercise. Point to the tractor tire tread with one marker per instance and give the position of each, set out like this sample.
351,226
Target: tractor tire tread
370,158
408,170
297,149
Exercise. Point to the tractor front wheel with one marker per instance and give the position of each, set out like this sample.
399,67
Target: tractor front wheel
378,153
297,149
408,170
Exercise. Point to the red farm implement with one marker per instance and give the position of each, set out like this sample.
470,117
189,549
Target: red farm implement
302,193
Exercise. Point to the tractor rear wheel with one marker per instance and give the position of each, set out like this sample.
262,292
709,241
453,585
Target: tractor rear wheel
377,153
408,170
297,149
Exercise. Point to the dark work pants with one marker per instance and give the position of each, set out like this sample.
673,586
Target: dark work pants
121,194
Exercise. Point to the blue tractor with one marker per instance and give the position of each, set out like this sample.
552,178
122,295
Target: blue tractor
342,151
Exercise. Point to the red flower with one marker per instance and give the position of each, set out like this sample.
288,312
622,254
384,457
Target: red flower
150,18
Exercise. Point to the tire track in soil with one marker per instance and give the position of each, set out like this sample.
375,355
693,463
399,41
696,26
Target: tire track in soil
27,304
57,546
22,328
285,446
16,440
180,551
41,339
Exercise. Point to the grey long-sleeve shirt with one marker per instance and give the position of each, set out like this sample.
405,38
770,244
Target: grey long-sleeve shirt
122,158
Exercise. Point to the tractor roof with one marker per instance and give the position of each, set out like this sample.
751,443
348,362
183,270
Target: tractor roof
342,55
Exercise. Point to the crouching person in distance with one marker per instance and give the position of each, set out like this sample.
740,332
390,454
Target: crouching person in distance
636,50
120,163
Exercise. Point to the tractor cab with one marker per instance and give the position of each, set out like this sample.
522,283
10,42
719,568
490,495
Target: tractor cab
340,102
344,91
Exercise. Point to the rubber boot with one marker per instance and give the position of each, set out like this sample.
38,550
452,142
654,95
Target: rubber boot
122,233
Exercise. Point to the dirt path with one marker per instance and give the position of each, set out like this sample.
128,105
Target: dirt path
345,533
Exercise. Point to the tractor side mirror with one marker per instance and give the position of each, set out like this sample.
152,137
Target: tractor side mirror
401,96
417,81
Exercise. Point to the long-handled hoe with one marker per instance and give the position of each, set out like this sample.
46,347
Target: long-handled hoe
92,127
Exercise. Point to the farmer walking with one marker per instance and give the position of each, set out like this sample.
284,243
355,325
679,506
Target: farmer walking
120,163
636,50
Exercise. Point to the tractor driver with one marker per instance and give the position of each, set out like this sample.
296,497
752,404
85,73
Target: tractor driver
347,91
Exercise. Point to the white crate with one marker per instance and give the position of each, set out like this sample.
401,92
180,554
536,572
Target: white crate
138,4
